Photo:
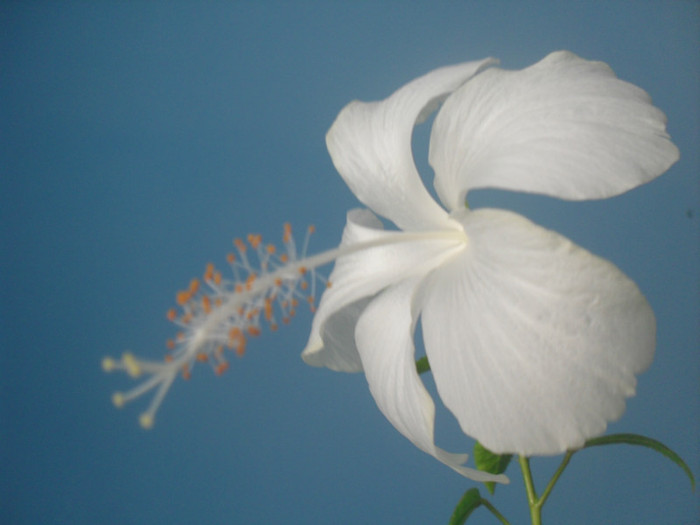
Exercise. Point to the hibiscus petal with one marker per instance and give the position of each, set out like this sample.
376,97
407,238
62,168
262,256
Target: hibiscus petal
370,144
534,342
361,275
565,127
384,336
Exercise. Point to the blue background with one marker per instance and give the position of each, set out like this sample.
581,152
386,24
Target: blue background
137,139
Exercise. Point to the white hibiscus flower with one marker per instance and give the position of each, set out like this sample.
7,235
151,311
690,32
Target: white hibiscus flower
533,342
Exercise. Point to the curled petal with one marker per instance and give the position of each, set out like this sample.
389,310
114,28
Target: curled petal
534,342
359,276
370,144
384,336
564,127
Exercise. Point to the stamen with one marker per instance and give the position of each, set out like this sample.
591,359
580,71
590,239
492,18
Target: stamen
217,313
309,231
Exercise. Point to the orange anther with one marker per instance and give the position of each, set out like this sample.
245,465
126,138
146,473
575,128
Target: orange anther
287,236
271,249
295,303
302,270
329,284
202,358
273,327
170,344
182,297
172,314
238,288
180,336
254,330
194,286
186,372
236,340
206,304
278,282
268,308
304,285
217,278
208,272
240,245
250,280
235,332
168,359
186,318
312,228
284,257
254,240
221,368
230,258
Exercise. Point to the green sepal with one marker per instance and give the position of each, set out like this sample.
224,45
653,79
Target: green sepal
487,461
634,439
469,502
422,365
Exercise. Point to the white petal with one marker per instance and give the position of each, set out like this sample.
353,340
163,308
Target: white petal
370,144
384,337
565,127
361,275
533,341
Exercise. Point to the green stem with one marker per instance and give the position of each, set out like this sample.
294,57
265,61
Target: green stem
494,511
555,478
533,501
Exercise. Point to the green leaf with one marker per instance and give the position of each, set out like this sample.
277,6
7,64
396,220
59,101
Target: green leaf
634,439
469,502
422,365
487,461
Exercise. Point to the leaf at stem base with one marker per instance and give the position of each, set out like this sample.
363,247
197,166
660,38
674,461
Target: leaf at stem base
487,461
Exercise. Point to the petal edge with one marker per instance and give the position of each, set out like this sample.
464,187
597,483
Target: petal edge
370,145
384,336
565,127
534,342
